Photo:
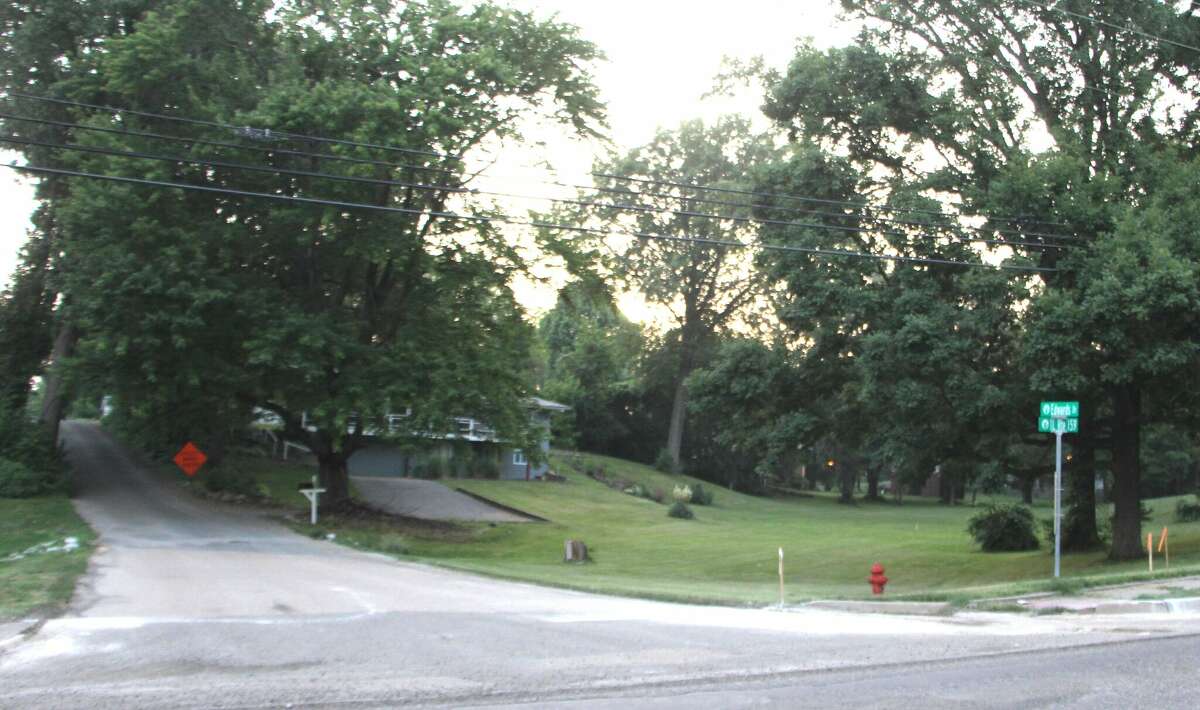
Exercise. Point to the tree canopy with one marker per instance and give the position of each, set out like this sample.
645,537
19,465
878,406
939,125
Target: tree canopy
203,303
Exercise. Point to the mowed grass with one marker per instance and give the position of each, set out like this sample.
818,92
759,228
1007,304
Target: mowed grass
39,581
728,553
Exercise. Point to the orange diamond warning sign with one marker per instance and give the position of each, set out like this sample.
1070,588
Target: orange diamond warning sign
190,459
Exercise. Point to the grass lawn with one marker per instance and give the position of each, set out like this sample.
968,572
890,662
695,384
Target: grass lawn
728,552
36,579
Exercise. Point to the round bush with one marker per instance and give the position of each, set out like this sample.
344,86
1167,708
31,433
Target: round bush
679,510
663,462
1003,528
1188,512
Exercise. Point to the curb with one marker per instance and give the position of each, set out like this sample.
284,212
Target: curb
871,607
13,632
1186,605
501,506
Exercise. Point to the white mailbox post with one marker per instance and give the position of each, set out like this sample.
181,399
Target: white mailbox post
311,494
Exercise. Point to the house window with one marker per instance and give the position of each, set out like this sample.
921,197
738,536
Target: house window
519,458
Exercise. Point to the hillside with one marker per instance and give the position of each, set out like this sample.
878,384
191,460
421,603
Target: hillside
728,552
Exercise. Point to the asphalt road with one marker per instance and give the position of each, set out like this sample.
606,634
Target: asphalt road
189,604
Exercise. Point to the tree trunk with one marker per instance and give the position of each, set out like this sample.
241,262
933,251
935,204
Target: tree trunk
334,477
846,483
872,484
55,403
1126,438
678,410
1027,489
946,488
26,318
1079,524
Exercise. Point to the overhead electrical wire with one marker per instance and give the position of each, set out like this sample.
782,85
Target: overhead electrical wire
266,133
898,258
243,130
1112,25
599,190
582,203
735,191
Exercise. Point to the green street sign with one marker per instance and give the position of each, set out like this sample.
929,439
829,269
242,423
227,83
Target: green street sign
1049,425
1069,410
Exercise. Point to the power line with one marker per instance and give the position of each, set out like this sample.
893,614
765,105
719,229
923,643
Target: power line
242,130
624,208
222,144
1124,28
735,191
597,189
430,214
249,131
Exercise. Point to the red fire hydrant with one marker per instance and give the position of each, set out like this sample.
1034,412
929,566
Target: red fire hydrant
877,580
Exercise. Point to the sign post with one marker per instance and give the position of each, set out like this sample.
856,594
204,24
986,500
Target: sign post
1058,418
1058,435
781,578
311,494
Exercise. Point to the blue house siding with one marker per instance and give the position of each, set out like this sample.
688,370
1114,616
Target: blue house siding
515,465
469,450
384,459
379,460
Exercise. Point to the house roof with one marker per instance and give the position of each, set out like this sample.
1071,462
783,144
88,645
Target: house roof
546,404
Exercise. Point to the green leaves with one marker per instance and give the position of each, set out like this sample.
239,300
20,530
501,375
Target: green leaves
204,305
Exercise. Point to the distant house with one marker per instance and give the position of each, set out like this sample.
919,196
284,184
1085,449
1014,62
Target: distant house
471,449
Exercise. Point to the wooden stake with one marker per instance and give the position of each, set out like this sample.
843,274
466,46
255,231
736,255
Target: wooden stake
1165,547
781,578
1150,549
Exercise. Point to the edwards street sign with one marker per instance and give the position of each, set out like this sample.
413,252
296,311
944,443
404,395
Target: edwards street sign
1051,413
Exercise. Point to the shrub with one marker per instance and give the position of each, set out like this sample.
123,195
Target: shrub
28,442
701,495
663,462
680,510
658,495
30,461
20,481
221,479
683,494
1188,512
486,467
1003,527
433,467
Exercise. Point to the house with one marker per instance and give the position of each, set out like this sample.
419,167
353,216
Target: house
471,449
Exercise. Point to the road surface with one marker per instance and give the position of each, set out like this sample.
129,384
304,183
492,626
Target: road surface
189,604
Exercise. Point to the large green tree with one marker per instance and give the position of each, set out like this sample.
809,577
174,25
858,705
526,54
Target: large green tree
45,45
957,95
331,317
665,189
907,343
592,354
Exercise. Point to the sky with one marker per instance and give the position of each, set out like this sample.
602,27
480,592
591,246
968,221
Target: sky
662,56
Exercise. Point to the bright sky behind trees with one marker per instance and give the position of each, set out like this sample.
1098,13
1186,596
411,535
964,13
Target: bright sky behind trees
662,58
